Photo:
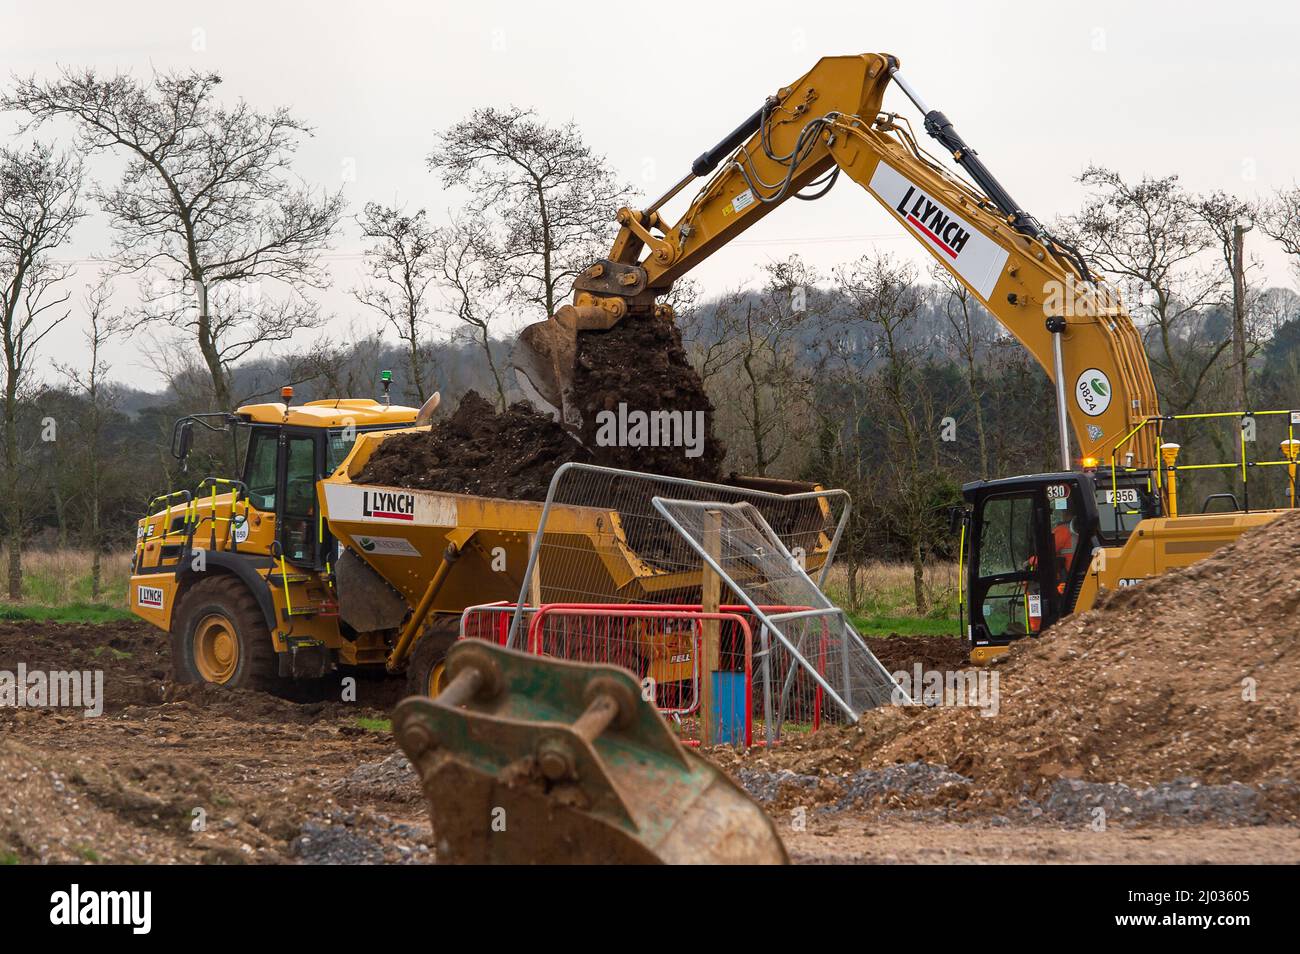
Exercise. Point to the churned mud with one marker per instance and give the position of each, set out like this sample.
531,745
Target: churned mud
190,774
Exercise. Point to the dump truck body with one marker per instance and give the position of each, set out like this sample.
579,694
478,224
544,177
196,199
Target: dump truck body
361,574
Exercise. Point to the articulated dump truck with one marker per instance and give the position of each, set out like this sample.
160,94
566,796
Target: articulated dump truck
294,569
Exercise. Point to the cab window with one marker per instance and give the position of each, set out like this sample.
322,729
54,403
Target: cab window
1008,539
1007,591
298,520
1119,509
338,444
259,469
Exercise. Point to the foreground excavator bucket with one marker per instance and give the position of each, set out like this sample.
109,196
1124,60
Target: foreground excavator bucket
528,759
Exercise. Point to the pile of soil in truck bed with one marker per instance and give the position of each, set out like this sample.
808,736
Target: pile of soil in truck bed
639,363
477,451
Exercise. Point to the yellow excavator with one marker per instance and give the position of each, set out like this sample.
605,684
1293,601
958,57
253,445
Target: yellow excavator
1035,548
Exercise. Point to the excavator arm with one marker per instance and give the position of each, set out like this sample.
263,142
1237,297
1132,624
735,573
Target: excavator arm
830,123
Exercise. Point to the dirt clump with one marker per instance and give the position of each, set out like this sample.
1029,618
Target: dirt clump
1194,674
901,653
511,454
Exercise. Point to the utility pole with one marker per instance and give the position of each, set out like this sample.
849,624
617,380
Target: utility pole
1239,311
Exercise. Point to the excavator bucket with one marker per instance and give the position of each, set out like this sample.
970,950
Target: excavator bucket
528,759
544,356
543,359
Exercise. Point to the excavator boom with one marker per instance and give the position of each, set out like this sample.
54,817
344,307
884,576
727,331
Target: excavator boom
830,122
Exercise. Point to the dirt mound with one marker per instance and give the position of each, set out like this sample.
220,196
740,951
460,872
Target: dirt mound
63,808
640,362
125,787
1195,673
512,454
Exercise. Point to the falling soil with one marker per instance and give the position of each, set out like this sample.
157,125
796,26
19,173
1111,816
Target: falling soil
1193,675
640,363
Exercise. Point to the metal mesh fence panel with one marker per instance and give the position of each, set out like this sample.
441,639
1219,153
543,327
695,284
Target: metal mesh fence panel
602,540
809,637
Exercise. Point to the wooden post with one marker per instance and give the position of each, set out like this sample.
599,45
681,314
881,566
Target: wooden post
535,581
710,599
1239,313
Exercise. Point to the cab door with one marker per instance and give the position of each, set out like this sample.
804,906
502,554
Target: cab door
301,462
1007,574
1031,547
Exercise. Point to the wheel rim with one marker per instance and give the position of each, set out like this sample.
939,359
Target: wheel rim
216,649
437,678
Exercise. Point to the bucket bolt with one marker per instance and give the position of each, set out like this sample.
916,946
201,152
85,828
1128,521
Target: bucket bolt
609,702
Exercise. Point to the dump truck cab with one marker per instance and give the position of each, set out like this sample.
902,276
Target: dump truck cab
289,450
240,570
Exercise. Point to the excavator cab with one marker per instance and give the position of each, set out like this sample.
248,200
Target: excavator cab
1029,542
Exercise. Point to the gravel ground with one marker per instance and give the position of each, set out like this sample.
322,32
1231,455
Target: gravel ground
920,790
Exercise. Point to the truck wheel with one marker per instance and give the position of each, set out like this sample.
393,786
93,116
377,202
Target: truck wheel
424,673
219,636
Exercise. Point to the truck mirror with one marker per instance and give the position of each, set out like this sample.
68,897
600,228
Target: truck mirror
183,439
956,517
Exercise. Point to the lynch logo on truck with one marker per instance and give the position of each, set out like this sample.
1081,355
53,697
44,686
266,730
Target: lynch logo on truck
149,596
972,255
388,505
422,508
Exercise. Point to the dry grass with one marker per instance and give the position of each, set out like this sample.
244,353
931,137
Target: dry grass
885,589
62,577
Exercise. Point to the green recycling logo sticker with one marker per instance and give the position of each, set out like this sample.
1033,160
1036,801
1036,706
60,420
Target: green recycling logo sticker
1092,392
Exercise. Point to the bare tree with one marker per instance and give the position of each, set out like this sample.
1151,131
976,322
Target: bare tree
402,261
966,336
1228,218
767,388
704,328
98,394
40,202
350,366
1150,235
548,195
206,209
884,295
463,255
1280,220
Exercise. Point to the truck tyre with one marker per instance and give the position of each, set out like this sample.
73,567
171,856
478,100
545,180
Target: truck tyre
219,636
424,673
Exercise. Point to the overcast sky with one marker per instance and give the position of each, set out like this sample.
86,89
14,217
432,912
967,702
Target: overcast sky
1206,90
